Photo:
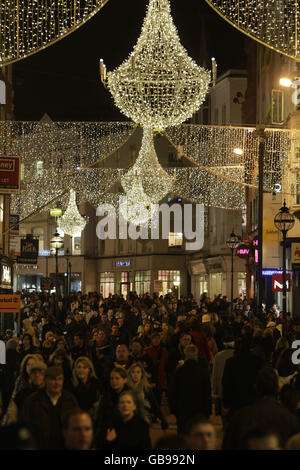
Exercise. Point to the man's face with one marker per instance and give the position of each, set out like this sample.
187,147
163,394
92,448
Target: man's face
185,340
79,434
136,349
37,378
54,385
122,353
202,437
77,341
77,317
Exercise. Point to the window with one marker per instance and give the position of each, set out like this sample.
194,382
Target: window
39,233
107,283
171,281
142,280
22,168
224,114
216,116
76,244
277,107
39,169
242,284
175,239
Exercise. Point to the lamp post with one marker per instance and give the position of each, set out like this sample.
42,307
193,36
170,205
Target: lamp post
284,221
56,243
232,243
68,276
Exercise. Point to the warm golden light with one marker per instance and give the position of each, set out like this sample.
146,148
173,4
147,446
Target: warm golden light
287,82
238,151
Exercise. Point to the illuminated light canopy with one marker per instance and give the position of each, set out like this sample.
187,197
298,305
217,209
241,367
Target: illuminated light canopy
72,221
28,26
238,151
274,23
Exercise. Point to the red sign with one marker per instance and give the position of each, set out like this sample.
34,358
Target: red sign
243,251
9,175
277,282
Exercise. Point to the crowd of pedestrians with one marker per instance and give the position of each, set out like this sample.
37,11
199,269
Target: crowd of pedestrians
93,373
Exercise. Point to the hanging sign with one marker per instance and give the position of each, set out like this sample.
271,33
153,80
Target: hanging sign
29,250
277,282
9,175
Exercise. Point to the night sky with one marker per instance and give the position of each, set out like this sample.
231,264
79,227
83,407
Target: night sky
63,80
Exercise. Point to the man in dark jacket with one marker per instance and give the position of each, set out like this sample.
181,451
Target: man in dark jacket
190,392
265,413
239,377
43,410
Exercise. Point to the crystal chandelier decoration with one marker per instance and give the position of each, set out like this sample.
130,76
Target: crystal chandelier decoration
28,26
147,174
72,222
274,23
158,86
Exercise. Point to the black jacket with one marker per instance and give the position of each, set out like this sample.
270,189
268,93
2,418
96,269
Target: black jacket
87,394
131,435
190,392
45,418
265,413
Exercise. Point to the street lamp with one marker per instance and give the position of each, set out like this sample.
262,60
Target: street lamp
284,221
232,243
56,243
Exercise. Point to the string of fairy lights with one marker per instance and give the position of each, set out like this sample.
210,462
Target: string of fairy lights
217,176
28,26
274,23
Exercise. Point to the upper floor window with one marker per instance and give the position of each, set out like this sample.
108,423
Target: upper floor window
175,239
277,107
39,169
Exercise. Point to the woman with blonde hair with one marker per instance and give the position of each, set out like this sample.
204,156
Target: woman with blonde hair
85,385
148,406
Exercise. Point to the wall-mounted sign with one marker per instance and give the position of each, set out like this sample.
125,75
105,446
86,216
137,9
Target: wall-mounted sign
9,175
243,250
10,303
55,212
122,263
270,272
295,252
47,283
5,276
29,250
277,282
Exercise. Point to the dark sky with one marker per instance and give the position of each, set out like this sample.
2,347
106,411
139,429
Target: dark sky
63,80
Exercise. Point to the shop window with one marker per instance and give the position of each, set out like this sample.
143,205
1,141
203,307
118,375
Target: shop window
142,282
107,284
277,107
171,281
175,239
242,284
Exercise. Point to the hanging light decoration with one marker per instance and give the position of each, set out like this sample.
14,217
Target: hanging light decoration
28,26
146,180
274,23
72,222
158,86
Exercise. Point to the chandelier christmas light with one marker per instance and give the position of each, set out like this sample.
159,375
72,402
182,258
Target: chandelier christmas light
159,85
72,222
146,180
274,23
27,26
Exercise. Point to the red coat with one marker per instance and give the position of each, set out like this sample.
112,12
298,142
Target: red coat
159,356
200,340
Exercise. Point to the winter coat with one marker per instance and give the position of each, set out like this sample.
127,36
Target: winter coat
159,356
45,418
